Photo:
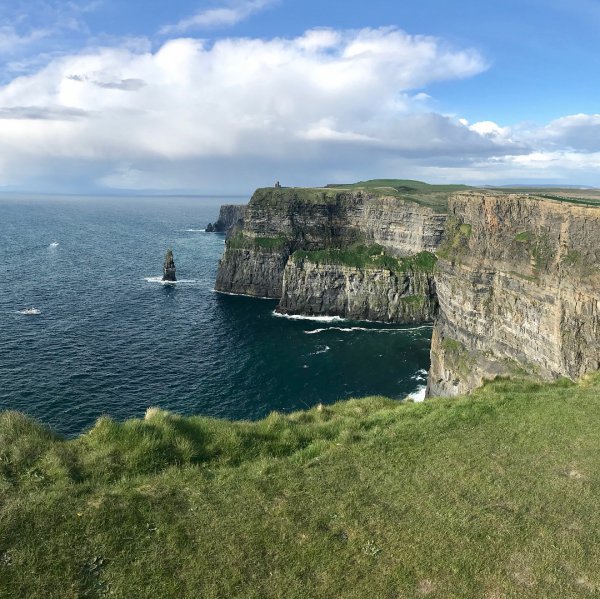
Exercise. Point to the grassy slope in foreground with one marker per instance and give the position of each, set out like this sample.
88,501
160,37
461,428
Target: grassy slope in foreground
491,496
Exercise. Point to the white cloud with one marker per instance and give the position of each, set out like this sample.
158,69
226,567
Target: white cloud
491,130
580,132
221,16
11,40
317,100
240,113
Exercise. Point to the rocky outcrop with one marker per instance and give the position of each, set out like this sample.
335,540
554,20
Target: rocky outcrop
230,216
518,284
378,294
169,267
279,221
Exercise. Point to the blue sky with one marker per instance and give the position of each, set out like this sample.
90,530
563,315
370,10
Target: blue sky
221,97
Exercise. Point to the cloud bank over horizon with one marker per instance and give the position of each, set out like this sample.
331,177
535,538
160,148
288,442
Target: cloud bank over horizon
236,113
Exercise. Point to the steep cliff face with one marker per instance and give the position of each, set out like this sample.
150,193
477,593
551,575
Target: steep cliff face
378,293
518,287
252,271
230,215
280,221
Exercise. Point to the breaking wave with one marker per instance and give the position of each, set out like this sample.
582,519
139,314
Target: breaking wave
371,330
324,350
418,395
161,282
420,375
315,318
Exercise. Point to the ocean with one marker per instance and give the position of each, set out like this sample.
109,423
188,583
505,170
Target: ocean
88,329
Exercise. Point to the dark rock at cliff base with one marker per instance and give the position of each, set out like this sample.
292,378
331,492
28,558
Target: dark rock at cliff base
169,267
210,228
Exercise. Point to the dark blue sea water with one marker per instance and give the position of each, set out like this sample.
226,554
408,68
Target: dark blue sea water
111,339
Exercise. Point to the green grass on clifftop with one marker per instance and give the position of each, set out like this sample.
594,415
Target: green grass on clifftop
496,495
431,196
367,257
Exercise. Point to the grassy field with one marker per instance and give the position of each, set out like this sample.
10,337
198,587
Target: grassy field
492,496
425,194
432,196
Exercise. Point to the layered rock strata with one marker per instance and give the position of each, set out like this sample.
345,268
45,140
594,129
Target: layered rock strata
279,222
518,284
378,294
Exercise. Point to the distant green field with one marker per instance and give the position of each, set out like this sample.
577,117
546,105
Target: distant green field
401,185
495,495
433,196
425,194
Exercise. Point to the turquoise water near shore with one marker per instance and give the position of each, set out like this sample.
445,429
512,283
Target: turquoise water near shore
111,339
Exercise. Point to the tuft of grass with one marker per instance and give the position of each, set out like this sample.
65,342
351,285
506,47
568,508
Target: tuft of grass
494,495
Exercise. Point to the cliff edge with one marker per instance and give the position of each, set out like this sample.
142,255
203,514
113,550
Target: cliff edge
294,240
518,280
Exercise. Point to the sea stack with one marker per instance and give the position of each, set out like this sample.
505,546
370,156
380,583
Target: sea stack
169,267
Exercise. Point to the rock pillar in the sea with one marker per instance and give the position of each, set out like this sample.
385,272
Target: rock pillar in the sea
169,267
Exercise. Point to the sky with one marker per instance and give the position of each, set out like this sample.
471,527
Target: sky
223,96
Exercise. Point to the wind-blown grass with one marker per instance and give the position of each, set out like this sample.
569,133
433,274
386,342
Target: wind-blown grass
495,495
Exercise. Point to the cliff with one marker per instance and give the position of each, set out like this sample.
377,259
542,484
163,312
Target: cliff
515,287
230,215
279,222
517,282
384,289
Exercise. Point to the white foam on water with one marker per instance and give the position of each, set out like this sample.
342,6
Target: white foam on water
371,330
420,375
30,312
315,318
161,282
418,395
196,230
321,351
241,294
54,244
